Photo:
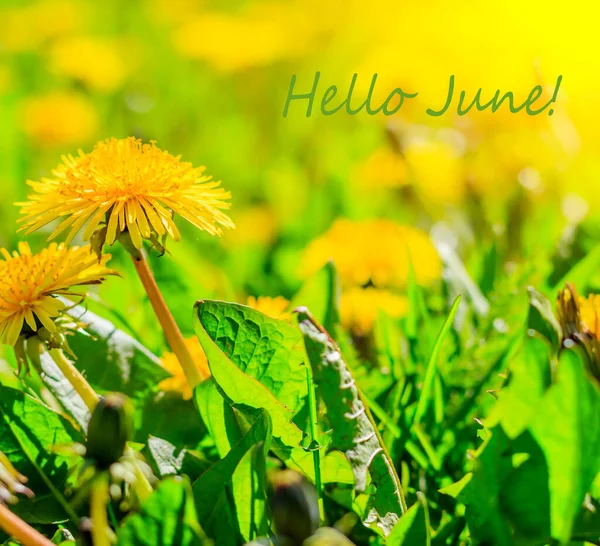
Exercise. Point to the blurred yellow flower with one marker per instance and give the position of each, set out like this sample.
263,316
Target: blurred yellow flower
59,119
172,11
131,186
29,284
277,308
383,168
260,34
27,27
374,252
95,62
436,170
359,307
178,382
6,79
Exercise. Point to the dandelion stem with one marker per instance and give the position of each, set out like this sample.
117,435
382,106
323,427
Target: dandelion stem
169,326
15,527
98,511
75,377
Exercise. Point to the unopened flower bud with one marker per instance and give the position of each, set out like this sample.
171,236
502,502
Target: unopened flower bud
110,428
295,506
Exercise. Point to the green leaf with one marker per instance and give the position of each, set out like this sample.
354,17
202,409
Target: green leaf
427,391
166,518
112,360
249,488
264,348
480,491
353,429
413,526
256,362
528,381
567,428
28,432
170,460
171,418
542,318
213,488
218,416
581,272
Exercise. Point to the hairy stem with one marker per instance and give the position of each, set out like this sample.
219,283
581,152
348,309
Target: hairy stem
169,326
75,377
16,528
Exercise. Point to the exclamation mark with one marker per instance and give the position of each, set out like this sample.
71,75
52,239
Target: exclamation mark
555,94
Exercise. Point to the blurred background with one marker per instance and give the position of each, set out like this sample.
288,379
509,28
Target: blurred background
208,80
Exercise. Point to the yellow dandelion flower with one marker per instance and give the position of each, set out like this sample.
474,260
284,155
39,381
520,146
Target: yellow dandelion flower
178,382
59,119
277,308
579,318
589,314
131,187
96,62
359,307
377,252
30,284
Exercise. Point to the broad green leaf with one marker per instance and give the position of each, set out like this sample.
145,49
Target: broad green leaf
168,416
257,347
112,360
480,492
218,416
567,428
264,348
335,468
213,489
166,518
529,378
28,432
413,526
353,430
170,460
249,488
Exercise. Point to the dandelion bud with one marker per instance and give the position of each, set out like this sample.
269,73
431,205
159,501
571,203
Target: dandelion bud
110,429
295,506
